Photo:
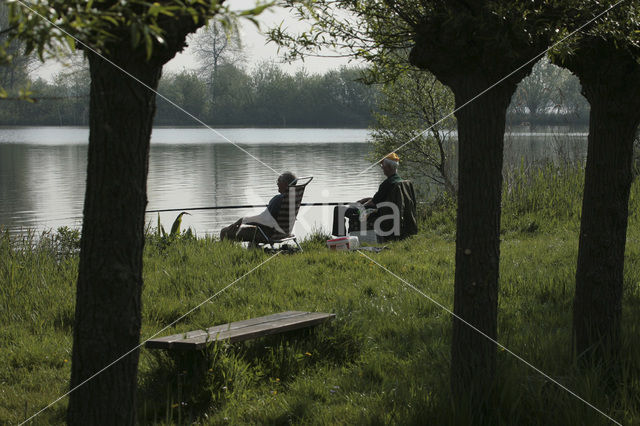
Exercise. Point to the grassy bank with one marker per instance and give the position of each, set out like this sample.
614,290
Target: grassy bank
384,359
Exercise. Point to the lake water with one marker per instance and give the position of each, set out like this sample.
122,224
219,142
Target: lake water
43,170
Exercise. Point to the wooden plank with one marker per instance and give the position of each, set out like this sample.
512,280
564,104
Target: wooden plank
259,330
168,342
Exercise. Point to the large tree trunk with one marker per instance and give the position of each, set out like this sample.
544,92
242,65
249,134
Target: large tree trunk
469,66
613,91
481,127
108,305
597,304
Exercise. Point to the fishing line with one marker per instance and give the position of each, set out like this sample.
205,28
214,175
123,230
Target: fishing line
187,209
246,206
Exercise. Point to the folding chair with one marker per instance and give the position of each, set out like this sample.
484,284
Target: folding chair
286,217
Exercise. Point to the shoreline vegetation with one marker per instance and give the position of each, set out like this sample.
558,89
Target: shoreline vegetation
384,359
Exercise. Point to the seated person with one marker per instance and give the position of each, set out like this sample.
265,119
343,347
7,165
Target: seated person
389,166
266,220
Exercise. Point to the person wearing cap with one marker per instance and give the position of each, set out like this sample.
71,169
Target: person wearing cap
389,166
266,219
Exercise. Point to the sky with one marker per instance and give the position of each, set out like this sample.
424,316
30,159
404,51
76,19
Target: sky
256,48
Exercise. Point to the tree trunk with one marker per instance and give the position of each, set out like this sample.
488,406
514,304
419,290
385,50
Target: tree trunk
469,69
613,91
481,127
597,304
108,301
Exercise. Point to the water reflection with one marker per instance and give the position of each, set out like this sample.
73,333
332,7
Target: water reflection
42,178
39,182
42,171
221,175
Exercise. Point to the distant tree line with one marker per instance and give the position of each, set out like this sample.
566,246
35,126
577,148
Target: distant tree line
14,73
268,96
64,101
549,95
222,92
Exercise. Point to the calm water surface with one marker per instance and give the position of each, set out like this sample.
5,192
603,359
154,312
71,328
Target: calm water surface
43,170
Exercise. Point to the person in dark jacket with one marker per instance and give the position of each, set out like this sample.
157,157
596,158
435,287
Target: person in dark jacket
266,219
390,168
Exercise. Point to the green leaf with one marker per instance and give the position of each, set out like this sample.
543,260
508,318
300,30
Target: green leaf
148,41
71,42
110,19
135,35
256,10
25,95
175,229
254,21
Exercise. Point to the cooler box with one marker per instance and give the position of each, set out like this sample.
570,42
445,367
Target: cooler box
343,243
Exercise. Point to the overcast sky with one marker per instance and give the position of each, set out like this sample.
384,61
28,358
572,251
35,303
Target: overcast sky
254,43
256,47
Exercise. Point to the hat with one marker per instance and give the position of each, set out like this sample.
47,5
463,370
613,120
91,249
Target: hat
393,157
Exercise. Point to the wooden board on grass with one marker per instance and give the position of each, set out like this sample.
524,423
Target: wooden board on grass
240,330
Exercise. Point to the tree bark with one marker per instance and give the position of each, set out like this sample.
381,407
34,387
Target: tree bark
613,91
481,127
597,305
469,55
108,297
108,300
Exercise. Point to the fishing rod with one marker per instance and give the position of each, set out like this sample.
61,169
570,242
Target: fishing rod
244,206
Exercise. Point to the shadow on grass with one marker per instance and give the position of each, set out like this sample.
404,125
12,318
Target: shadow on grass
183,387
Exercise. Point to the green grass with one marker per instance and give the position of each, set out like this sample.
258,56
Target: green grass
384,359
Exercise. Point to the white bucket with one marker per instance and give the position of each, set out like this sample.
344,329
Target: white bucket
343,243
